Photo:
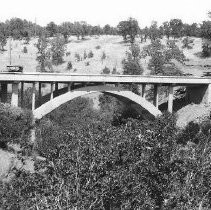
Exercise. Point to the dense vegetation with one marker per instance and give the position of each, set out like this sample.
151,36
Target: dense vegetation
92,163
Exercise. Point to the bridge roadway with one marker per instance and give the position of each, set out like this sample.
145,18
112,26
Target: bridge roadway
99,78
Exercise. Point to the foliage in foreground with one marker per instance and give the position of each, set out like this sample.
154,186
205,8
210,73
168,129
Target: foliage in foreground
15,124
137,165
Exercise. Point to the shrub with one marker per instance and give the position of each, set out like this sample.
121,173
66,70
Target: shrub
69,65
77,57
106,70
25,49
87,63
98,47
15,123
68,53
114,71
74,70
85,55
103,57
187,43
90,54
206,50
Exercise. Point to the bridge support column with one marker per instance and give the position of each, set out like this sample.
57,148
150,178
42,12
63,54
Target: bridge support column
143,90
33,132
52,86
156,96
40,93
70,86
4,92
33,95
56,86
170,98
22,92
14,98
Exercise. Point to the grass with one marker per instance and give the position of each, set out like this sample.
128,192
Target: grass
114,49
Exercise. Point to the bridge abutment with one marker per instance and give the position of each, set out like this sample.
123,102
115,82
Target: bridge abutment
199,94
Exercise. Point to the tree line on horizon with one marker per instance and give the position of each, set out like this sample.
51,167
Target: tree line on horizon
128,29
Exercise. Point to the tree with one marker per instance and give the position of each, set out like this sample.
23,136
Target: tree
96,30
123,29
176,26
58,48
3,36
154,32
129,28
66,29
131,64
167,29
191,30
162,56
15,28
43,53
206,30
107,29
51,29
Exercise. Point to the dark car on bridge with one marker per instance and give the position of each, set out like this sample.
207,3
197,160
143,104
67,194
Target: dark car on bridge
14,68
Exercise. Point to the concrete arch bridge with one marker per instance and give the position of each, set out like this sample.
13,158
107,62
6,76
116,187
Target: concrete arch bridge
66,87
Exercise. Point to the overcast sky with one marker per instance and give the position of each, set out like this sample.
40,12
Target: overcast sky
101,12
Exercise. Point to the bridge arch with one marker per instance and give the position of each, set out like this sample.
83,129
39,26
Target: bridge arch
139,102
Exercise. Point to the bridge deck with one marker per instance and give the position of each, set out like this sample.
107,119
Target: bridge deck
65,78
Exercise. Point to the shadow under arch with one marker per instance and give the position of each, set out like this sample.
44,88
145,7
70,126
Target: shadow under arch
138,102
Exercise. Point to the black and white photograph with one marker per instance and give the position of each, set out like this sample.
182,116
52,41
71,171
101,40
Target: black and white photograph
105,105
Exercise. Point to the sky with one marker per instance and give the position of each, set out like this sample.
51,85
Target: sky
101,12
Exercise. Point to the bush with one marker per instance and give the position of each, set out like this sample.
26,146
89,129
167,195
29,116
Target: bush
77,57
15,124
68,54
85,55
106,70
90,54
69,65
114,71
98,47
103,57
206,50
187,43
87,63
25,49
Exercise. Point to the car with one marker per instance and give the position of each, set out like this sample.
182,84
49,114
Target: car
15,68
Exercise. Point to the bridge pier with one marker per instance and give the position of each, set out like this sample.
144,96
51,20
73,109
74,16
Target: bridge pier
52,87
14,98
40,93
22,92
56,86
4,93
156,96
170,98
143,91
